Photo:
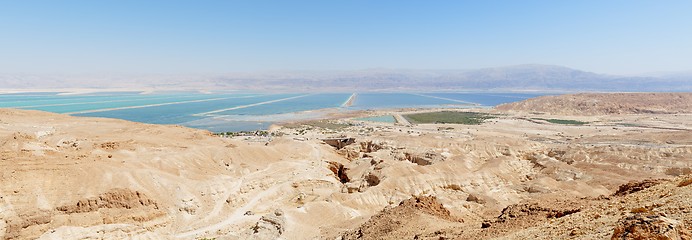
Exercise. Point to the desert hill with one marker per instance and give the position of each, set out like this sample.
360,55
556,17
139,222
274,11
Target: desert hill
605,104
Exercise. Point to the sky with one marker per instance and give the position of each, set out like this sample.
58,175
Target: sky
215,37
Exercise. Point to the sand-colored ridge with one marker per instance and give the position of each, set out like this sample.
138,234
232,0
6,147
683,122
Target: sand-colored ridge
605,104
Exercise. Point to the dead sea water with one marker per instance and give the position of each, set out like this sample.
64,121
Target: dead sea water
234,111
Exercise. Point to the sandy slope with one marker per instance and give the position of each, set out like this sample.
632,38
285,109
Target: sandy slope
65,177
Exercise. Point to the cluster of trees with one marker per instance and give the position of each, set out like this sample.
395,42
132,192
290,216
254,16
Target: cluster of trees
259,133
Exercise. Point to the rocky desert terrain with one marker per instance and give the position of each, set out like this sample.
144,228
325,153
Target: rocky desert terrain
585,166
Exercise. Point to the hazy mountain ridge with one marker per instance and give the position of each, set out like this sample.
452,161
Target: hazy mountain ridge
519,77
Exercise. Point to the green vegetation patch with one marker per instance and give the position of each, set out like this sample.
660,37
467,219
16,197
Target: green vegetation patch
324,124
562,121
469,118
262,133
384,119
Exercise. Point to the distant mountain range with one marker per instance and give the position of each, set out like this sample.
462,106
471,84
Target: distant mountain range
511,78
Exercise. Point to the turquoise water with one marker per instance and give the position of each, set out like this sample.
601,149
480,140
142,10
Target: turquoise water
20,101
384,119
486,99
114,102
396,100
301,103
184,112
237,111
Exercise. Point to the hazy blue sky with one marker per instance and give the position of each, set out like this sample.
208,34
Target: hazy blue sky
229,36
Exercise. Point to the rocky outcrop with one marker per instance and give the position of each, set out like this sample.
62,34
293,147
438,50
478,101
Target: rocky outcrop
339,143
395,219
423,159
116,198
355,151
370,146
15,224
476,199
339,171
363,175
145,209
270,226
533,209
634,186
685,182
641,226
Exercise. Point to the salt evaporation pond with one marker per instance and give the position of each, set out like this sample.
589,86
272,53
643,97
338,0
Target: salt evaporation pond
235,111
